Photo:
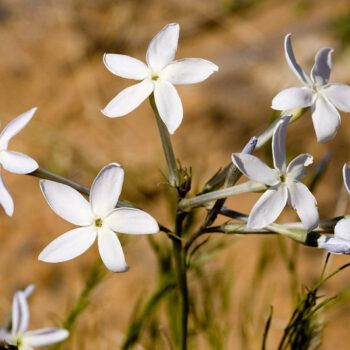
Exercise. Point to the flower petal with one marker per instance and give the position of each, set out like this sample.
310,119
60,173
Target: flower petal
291,98
321,70
334,245
106,189
20,313
339,95
346,177
279,144
188,71
325,118
66,202
293,65
125,66
303,201
131,221
255,169
269,206
111,251
296,168
45,336
5,198
168,104
128,99
14,127
162,49
69,245
17,162
342,229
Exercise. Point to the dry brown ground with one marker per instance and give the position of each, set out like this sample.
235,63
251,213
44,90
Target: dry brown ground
51,57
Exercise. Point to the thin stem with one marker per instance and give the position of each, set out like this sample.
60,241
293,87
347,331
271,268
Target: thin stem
173,175
249,186
181,271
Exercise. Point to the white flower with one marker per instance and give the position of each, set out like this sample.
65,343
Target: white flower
340,242
158,76
98,219
283,181
27,340
323,98
12,161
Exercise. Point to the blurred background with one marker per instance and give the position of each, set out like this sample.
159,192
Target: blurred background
51,57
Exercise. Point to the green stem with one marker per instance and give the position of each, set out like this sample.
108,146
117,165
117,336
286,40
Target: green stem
249,186
181,271
173,175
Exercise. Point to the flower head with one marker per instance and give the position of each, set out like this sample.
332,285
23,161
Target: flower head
19,336
159,75
323,98
283,181
97,219
340,242
14,162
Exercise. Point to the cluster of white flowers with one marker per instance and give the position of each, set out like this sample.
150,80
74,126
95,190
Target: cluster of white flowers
100,219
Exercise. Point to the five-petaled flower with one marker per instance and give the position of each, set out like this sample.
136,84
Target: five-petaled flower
99,218
160,75
12,161
19,336
340,242
283,181
323,98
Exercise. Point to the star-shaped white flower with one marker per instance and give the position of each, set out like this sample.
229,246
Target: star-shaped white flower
323,98
98,219
14,162
160,75
283,181
340,242
19,335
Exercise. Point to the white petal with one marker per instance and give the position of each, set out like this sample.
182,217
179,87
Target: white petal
69,245
5,198
325,118
188,71
321,70
339,95
162,49
346,177
342,229
279,144
111,251
131,221
296,168
66,202
255,169
28,291
293,65
14,127
128,99
45,336
125,66
168,104
106,189
305,204
17,162
269,206
291,98
20,313
334,245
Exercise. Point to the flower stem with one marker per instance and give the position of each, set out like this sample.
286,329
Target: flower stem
173,175
181,271
249,186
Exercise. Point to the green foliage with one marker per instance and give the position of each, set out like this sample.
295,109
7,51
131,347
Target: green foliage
341,29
